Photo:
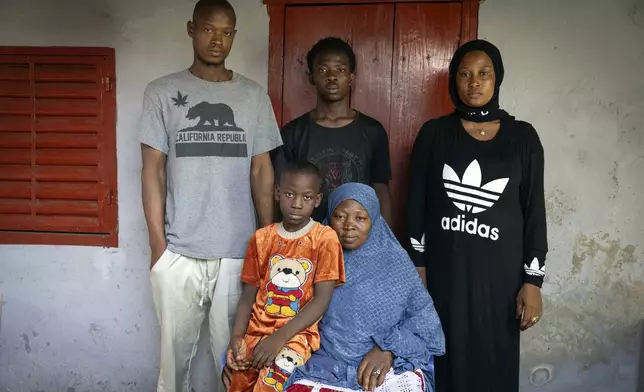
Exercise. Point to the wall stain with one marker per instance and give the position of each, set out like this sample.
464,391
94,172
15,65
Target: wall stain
93,329
97,332
558,207
131,386
635,14
615,180
588,248
541,375
597,308
582,156
25,340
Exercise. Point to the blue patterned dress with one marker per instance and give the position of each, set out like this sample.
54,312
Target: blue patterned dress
383,303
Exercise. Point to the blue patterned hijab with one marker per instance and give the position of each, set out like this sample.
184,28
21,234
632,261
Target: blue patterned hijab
383,303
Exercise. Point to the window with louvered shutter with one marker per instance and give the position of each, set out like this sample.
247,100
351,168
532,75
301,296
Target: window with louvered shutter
57,146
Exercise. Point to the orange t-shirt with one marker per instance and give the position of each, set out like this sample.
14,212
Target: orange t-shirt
284,267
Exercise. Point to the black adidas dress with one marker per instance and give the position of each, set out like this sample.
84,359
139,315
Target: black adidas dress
476,220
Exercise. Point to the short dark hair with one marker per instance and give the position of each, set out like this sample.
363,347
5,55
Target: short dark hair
204,6
302,167
331,44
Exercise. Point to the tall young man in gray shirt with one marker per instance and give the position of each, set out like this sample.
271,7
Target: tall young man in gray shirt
205,135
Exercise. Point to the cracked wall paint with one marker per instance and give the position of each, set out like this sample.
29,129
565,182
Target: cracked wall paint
588,324
559,208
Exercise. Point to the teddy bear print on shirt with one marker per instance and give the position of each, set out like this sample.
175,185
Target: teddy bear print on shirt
287,360
288,275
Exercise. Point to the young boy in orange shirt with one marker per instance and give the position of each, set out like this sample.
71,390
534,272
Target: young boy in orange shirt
289,274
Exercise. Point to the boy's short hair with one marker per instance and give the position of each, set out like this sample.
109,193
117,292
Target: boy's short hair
204,6
331,44
302,167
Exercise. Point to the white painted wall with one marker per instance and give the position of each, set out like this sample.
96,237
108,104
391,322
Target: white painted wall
574,69
78,318
81,319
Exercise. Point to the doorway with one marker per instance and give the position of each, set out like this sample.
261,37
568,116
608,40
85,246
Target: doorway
403,50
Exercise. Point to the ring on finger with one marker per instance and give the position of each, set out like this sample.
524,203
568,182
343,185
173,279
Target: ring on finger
534,320
376,373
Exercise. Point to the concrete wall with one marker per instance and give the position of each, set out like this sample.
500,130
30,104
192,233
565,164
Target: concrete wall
574,69
81,319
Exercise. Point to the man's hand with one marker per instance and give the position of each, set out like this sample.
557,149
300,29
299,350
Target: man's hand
237,355
153,185
157,252
529,306
374,367
262,186
266,351
386,204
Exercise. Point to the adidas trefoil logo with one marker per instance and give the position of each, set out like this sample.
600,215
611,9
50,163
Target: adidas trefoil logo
468,194
533,269
418,246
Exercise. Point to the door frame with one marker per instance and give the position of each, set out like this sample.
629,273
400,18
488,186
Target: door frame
277,19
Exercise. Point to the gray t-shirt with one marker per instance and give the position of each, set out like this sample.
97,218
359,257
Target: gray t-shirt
209,132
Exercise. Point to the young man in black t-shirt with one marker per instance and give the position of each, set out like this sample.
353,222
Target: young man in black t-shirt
346,145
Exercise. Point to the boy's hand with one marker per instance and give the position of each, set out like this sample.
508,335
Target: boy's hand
237,355
227,377
266,351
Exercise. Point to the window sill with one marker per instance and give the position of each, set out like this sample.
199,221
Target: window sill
49,238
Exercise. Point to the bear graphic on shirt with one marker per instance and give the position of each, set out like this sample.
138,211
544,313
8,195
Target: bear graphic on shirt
217,114
215,134
285,362
287,276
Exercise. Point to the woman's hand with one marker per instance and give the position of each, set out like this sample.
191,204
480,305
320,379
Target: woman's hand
529,305
374,367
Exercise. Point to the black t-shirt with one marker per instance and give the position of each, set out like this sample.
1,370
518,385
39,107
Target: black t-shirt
356,152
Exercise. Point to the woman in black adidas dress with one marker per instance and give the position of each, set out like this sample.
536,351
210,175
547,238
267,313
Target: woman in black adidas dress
476,226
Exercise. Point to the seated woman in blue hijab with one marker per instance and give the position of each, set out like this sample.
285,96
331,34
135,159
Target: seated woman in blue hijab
381,329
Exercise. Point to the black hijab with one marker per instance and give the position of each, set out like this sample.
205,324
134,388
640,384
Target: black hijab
491,110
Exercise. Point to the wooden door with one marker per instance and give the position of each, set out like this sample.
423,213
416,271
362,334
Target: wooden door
425,38
403,51
367,28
